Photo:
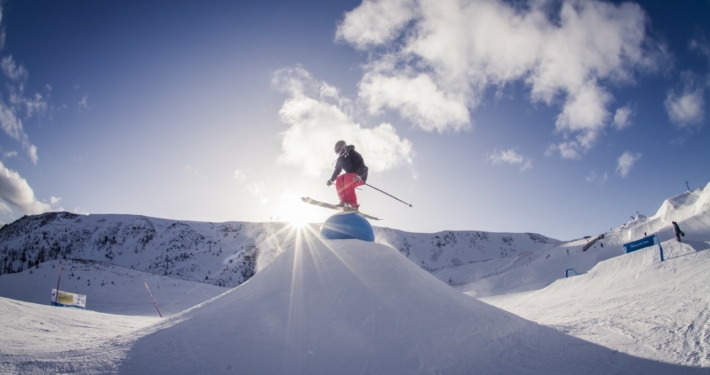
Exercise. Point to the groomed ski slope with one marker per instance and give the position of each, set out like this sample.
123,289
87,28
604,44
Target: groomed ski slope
43,339
109,288
350,307
632,303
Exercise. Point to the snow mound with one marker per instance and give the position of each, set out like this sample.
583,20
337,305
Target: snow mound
351,307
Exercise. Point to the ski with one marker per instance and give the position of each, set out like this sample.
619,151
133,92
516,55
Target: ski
334,207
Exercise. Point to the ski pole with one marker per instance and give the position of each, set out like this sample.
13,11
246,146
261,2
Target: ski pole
389,195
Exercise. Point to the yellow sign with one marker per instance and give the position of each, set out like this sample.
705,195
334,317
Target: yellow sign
65,298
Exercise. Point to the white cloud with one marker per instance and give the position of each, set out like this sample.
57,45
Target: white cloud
626,162
80,211
12,70
10,123
317,117
54,202
593,177
256,190
84,102
16,192
17,101
375,22
510,157
700,44
433,60
13,127
35,104
622,117
417,98
686,108
9,154
567,150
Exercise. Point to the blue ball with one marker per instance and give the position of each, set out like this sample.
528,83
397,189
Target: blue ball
347,226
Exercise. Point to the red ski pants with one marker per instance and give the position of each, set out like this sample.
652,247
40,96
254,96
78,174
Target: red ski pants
346,188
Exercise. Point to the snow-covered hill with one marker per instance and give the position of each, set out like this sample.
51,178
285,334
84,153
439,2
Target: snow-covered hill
221,254
538,269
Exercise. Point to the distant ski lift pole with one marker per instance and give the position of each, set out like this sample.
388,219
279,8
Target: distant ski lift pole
390,195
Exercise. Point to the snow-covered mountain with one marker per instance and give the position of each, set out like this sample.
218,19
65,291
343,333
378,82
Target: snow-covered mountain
225,254
222,254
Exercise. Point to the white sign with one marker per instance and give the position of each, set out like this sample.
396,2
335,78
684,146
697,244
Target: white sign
67,299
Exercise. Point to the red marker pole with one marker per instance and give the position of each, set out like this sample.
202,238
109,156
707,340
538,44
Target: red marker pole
56,297
151,297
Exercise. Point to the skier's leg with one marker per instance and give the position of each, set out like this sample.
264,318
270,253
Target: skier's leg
340,186
349,189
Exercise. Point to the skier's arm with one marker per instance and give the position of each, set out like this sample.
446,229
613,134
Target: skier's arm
336,172
361,168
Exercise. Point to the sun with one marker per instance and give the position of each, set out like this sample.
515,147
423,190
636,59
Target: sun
297,222
290,209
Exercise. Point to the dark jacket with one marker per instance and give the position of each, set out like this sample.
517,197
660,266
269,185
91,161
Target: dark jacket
350,161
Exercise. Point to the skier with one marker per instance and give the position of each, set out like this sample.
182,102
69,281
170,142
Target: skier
355,174
677,231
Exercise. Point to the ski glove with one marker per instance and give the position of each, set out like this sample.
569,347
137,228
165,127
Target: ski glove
329,182
357,179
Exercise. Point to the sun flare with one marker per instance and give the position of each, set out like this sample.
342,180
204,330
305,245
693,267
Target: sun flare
297,222
292,211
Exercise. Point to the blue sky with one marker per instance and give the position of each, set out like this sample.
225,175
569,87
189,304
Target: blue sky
557,117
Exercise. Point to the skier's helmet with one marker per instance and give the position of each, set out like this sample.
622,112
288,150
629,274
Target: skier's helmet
339,146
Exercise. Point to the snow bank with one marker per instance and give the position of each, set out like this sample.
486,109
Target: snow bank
349,307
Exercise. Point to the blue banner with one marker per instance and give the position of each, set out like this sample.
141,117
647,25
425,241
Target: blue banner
640,244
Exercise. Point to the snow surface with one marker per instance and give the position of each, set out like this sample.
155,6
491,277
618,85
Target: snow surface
109,288
632,303
354,307
42,339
